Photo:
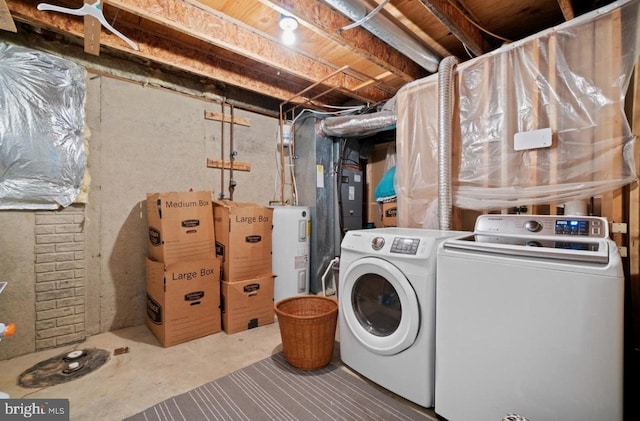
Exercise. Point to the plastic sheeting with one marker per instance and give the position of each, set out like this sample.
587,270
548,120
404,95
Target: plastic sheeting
571,78
42,158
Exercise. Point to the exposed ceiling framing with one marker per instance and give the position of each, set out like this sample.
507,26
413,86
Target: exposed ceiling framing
236,43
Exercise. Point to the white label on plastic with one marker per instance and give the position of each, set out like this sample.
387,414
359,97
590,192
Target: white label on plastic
352,193
356,178
533,139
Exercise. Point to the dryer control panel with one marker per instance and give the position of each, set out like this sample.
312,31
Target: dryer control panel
405,245
543,225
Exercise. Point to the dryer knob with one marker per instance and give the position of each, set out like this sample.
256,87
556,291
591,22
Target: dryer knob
377,243
533,226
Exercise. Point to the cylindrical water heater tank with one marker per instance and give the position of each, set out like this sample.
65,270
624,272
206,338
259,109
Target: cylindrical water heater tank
290,251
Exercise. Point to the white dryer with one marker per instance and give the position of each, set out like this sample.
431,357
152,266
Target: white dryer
529,320
386,318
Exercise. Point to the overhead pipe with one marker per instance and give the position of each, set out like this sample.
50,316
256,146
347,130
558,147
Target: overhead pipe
387,31
383,28
359,125
445,106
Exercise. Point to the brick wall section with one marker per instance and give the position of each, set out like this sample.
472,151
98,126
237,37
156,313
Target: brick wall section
60,277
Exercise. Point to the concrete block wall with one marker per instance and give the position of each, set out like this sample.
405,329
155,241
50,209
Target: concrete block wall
80,271
60,277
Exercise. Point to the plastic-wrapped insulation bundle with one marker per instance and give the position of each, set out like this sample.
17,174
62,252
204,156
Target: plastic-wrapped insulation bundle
42,159
572,79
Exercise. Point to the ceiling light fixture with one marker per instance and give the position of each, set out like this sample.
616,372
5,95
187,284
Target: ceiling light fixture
288,24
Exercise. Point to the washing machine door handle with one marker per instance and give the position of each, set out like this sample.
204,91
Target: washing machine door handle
367,274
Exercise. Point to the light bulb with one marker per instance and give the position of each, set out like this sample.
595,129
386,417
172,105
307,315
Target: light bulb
288,37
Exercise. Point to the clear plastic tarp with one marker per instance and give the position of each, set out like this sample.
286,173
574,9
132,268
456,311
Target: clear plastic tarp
42,157
571,79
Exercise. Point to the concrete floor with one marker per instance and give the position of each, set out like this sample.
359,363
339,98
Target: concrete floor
148,372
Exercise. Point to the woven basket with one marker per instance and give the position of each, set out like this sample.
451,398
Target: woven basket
308,330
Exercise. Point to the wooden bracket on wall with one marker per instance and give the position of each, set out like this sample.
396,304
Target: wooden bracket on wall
92,29
210,115
237,166
6,21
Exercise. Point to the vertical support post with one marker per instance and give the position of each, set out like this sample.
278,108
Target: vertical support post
634,217
553,114
608,42
222,105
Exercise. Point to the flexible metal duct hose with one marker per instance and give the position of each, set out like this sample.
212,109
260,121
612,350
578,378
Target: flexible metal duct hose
445,91
359,125
384,29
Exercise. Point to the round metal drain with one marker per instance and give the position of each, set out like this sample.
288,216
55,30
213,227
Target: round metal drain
63,368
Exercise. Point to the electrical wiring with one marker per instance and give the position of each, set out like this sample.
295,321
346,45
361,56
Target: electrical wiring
477,25
364,19
290,167
467,50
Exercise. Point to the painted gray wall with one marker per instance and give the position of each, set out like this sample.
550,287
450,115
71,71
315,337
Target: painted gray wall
142,139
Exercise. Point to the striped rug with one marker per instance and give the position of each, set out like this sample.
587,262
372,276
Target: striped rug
272,390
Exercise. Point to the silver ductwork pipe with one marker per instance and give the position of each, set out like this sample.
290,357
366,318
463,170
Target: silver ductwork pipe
383,28
445,112
359,125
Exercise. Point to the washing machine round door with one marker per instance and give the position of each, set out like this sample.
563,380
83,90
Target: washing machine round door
380,306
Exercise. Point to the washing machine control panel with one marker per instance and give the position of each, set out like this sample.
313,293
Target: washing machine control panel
404,245
543,225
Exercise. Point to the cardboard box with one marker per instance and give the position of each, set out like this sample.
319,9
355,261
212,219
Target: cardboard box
247,304
180,226
243,239
183,300
389,214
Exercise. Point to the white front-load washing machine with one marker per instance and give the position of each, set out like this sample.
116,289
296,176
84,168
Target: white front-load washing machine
387,316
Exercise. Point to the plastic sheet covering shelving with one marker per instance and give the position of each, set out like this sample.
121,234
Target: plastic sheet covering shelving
572,78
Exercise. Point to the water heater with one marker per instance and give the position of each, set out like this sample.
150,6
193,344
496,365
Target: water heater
290,251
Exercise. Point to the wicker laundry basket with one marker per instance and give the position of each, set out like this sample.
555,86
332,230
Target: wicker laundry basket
308,330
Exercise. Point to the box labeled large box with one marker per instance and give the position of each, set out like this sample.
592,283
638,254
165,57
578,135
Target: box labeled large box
247,304
243,239
183,300
389,214
180,226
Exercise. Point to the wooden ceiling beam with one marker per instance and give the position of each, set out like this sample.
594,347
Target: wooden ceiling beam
459,25
322,19
415,29
154,49
6,21
567,9
202,22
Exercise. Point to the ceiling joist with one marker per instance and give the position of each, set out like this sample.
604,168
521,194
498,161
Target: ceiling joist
459,25
319,17
194,20
567,9
156,49
6,21
234,47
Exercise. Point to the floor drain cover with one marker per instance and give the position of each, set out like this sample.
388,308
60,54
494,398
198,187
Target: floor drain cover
63,368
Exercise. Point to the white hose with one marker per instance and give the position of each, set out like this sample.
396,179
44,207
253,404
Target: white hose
324,276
